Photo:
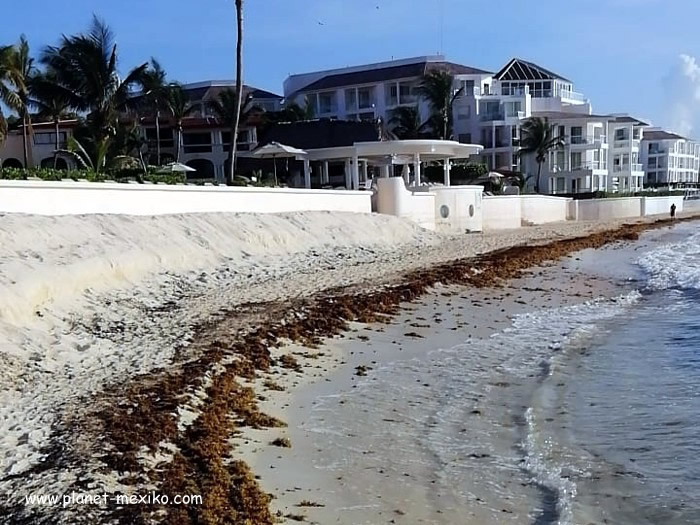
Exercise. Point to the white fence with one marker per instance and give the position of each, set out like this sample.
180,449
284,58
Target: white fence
502,212
394,199
78,198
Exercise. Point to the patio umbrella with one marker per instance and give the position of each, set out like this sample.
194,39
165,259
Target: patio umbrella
175,167
275,150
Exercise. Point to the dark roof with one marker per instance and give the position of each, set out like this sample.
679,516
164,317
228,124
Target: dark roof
315,134
371,76
626,119
659,134
518,69
197,94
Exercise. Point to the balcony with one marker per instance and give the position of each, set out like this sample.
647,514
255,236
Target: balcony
588,166
488,117
588,140
618,168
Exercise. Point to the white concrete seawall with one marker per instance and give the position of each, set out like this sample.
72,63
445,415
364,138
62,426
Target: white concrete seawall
78,198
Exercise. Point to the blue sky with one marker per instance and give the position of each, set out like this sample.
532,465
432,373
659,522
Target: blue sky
623,54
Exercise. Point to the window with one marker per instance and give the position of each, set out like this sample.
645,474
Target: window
654,148
197,142
326,103
467,87
562,131
576,160
50,138
577,135
465,138
561,184
487,89
513,108
621,134
350,99
365,98
166,137
652,162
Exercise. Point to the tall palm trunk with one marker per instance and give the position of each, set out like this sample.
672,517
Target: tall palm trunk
56,122
158,137
25,144
239,90
537,180
179,142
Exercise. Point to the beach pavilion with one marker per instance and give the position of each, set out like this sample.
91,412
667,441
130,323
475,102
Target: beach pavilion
361,156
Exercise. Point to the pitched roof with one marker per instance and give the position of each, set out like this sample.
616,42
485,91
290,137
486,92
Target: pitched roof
659,134
198,92
315,134
626,119
518,69
371,76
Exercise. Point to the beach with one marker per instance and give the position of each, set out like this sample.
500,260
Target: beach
168,353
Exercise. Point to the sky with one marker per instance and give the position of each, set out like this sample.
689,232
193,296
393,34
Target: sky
627,56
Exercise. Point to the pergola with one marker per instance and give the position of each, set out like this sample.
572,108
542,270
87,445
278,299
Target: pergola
386,154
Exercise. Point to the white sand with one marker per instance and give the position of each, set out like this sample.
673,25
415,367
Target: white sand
79,296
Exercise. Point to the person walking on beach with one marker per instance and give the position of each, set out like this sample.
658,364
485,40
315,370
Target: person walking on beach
673,210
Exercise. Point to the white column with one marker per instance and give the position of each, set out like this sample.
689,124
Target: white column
493,145
416,167
307,174
348,181
355,172
385,172
364,171
447,172
325,176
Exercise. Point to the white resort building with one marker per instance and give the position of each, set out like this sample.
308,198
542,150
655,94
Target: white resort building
602,152
370,92
670,159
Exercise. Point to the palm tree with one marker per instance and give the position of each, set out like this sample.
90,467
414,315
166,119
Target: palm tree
178,105
437,89
20,72
85,70
406,124
229,112
51,104
155,88
239,89
538,137
7,95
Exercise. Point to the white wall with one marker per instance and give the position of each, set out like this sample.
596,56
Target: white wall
661,205
462,206
502,212
394,199
541,209
606,209
74,198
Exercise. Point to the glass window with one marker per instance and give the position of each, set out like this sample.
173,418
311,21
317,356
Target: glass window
365,98
392,94
513,108
350,99
326,102
49,138
577,135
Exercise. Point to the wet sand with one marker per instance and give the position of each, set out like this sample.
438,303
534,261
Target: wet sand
356,474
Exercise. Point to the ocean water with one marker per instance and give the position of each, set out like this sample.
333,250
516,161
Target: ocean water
581,414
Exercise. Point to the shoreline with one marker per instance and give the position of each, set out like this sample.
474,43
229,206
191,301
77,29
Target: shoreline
148,413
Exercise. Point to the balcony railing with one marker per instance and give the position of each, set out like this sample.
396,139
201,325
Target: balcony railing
590,140
492,116
627,167
570,95
593,165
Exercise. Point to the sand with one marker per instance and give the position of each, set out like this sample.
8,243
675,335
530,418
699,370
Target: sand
87,303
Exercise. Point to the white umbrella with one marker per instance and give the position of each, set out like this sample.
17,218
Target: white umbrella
175,167
273,150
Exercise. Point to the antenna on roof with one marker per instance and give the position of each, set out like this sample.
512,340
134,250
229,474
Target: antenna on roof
441,26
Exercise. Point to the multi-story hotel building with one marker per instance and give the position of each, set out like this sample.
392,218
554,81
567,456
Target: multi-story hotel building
602,152
670,159
372,91
205,141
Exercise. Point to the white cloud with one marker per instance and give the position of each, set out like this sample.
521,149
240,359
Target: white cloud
682,91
